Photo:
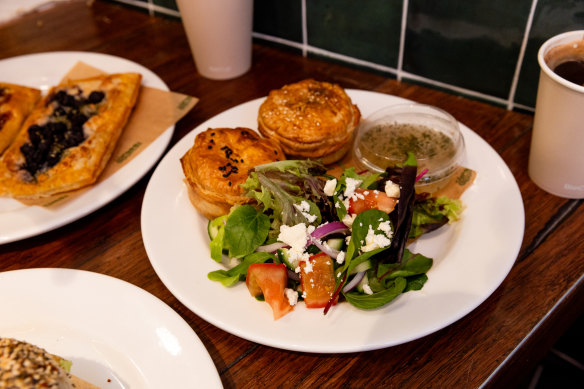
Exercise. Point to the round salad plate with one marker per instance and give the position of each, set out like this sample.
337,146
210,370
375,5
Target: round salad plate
116,334
471,257
41,71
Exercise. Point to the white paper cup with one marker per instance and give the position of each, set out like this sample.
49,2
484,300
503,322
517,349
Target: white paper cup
219,34
556,158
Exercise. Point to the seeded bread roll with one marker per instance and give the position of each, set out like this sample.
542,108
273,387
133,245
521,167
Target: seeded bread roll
310,119
23,365
219,162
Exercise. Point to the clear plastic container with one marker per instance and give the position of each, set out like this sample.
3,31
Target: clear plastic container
433,135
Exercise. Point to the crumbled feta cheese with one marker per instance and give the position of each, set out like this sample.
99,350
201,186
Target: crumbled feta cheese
329,187
307,266
296,237
352,184
386,227
303,208
374,241
367,289
341,257
392,189
349,219
291,295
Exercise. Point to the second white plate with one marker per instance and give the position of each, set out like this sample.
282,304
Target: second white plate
471,257
42,71
116,334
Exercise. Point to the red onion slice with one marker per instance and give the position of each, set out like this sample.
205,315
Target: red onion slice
329,228
354,282
271,248
325,248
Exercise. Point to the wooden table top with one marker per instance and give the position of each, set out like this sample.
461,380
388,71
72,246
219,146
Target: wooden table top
496,343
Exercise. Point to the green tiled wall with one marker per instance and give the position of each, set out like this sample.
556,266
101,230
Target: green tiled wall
485,49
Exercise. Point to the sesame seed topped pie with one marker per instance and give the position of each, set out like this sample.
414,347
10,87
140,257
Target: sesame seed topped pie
310,119
219,161
69,137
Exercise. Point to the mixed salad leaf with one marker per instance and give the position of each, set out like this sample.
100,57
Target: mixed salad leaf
336,239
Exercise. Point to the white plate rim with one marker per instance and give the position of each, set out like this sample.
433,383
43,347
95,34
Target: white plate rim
67,311
19,222
492,183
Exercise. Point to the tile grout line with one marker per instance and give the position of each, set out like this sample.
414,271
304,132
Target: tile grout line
535,328
398,72
521,56
383,68
402,39
150,7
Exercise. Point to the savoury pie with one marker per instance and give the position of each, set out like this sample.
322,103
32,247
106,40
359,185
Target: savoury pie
219,162
69,137
16,103
310,119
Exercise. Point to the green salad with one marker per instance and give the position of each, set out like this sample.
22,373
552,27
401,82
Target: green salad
313,238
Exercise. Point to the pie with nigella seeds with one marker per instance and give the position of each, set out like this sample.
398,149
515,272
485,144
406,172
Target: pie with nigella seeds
69,137
219,162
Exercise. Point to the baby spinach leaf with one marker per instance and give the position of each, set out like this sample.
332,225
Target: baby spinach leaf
378,299
371,217
216,245
246,229
232,276
415,282
411,265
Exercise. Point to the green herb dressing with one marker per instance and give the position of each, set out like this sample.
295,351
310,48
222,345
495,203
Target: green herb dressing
389,144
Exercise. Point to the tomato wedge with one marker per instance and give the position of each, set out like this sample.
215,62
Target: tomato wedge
371,199
270,280
318,280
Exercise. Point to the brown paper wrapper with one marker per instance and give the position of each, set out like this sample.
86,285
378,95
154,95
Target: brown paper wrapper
155,111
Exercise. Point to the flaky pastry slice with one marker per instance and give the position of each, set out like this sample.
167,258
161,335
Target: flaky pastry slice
69,137
16,103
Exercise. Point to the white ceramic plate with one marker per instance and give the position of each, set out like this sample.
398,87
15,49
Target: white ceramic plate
471,257
42,71
109,329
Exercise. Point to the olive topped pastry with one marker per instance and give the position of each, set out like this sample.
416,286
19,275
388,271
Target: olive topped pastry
16,103
68,139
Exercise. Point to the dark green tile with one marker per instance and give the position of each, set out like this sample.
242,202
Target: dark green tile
281,18
473,45
552,17
168,4
368,30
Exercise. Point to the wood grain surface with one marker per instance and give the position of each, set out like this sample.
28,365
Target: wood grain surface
492,346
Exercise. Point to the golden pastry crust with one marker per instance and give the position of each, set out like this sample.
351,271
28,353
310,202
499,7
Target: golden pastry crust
310,119
219,162
68,139
16,103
